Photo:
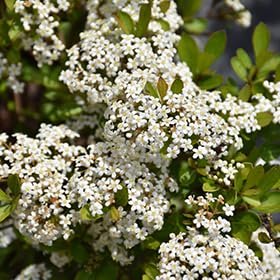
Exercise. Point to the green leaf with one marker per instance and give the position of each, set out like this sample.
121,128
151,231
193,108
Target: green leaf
121,197
14,184
188,8
164,5
144,19
114,212
196,25
243,224
150,243
188,51
125,22
162,87
264,118
151,90
238,181
85,214
79,252
216,44
210,82
252,201
277,74
244,58
269,66
108,271
5,211
177,86
4,197
84,275
261,38
238,68
270,179
264,238
245,93
207,187
254,177
10,4
270,204
151,271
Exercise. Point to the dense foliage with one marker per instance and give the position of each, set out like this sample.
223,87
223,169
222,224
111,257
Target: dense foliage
124,154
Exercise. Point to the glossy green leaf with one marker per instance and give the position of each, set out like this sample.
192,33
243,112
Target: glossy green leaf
5,211
251,201
270,179
270,204
144,20
188,51
254,177
264,118
4,197
216,44
261,38
238,68
243,224
244,58
125,22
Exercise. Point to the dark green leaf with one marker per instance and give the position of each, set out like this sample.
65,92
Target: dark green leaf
261,38
188,8
79,252
14,184
144,19
254,177
264,238
121,197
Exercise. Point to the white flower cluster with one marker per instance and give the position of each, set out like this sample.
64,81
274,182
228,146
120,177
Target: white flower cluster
59,179
122,71
270,259
104,64
45,209
243,16
207,254
11,72
39,18
35,272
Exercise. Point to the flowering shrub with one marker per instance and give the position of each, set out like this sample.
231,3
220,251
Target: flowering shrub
138,160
